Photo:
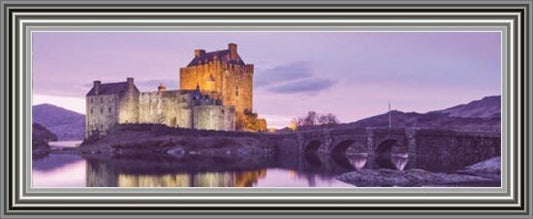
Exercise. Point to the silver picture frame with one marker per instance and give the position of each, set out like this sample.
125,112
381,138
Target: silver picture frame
20,18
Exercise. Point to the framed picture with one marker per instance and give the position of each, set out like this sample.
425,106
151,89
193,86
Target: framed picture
266,109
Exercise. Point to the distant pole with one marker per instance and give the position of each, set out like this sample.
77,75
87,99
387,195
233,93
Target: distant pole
390,117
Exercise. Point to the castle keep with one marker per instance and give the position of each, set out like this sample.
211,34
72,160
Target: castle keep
215,93
223,75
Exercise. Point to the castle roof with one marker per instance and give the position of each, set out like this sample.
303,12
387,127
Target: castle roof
223,55
109,88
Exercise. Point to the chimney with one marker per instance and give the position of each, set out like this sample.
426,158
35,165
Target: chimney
232,47
161,87
130,82
198,52
97,87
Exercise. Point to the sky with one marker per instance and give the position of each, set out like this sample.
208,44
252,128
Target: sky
353,75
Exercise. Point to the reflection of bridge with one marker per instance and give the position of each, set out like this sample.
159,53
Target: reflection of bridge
445,145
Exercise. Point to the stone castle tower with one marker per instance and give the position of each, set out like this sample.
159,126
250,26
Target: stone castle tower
215,93
222,75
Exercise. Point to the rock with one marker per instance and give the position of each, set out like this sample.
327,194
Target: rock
40,138
487,168
412,177
382,177
176,152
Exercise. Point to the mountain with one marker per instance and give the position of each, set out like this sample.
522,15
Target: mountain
66,124
488,107
479,115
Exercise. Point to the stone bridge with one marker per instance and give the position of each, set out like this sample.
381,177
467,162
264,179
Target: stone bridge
443,145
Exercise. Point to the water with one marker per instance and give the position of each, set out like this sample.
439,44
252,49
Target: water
66,170
311,170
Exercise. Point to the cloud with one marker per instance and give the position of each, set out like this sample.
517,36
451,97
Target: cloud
296,77
311,85
281,74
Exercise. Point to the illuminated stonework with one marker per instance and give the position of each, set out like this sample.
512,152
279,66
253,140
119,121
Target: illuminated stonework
122,103
216,92
223,75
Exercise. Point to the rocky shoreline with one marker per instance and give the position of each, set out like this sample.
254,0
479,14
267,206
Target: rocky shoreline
485,172
40,138
137,140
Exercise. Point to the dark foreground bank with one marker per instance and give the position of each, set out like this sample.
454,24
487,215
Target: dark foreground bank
151,139
486,173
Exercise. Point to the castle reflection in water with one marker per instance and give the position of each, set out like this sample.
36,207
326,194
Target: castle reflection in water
310,168
226,179
215,179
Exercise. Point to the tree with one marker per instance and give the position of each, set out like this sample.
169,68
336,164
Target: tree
249,121
312,118
328,119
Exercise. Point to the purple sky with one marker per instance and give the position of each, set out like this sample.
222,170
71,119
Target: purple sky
351,74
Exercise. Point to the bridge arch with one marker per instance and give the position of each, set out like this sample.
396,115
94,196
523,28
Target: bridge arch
312,146
384,149
341,162
342,146
388,154
347,146
312,159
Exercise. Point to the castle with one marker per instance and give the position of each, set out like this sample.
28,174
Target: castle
216,91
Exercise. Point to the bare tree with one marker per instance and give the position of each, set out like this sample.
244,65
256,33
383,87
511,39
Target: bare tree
327,119
312,118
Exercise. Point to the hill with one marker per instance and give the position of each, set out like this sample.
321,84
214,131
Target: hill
488,107
480,115
66,124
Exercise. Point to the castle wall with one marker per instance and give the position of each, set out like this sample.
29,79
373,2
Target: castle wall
150,108
129,105
212,117
231,82
102,114
177,108
171,108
